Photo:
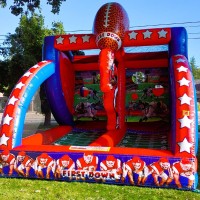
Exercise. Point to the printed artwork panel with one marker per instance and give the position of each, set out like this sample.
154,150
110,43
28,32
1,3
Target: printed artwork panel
147,94
106,168
88,103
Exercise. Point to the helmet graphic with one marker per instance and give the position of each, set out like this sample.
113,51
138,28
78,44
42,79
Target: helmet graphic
164,163
110,160
186,164
88,157
21,155
65,160
137,162
5,155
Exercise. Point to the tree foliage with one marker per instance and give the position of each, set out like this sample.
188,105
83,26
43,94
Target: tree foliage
25,48
4,79
29,6
195,68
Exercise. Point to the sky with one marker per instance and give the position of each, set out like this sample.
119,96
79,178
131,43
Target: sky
79,15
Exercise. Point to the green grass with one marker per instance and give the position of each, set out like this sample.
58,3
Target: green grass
41,189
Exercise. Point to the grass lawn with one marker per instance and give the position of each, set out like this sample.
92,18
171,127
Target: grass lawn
40,189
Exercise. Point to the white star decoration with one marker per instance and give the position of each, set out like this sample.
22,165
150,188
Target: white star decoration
12,100
185,122
182,69
72,39
180,60
133,35
7,119
185,146
147,34
185,99
162,33
184,81
36,66
60,40
4,139
44,61
27,74
85,38
19,85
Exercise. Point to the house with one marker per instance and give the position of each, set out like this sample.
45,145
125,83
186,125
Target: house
197,85
3,101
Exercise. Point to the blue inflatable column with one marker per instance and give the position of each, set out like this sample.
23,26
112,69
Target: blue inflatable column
53,85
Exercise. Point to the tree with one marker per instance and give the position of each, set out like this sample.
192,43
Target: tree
195,69
4,80
25,50
25,47
29,6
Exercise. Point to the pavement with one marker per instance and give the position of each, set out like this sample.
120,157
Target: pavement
30,117
36,117
34,120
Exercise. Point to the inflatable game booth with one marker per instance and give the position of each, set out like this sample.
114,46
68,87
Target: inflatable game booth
126,112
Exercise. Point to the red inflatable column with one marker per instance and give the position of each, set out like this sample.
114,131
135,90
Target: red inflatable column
119,56
108,85
110,25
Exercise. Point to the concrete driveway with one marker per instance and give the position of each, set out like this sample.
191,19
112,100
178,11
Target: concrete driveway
34,120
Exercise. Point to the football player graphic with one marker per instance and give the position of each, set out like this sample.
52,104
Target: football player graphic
23,164
135,165
113,165
7,159
185,168
162,169
88,162
44,161
85,109
64,163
